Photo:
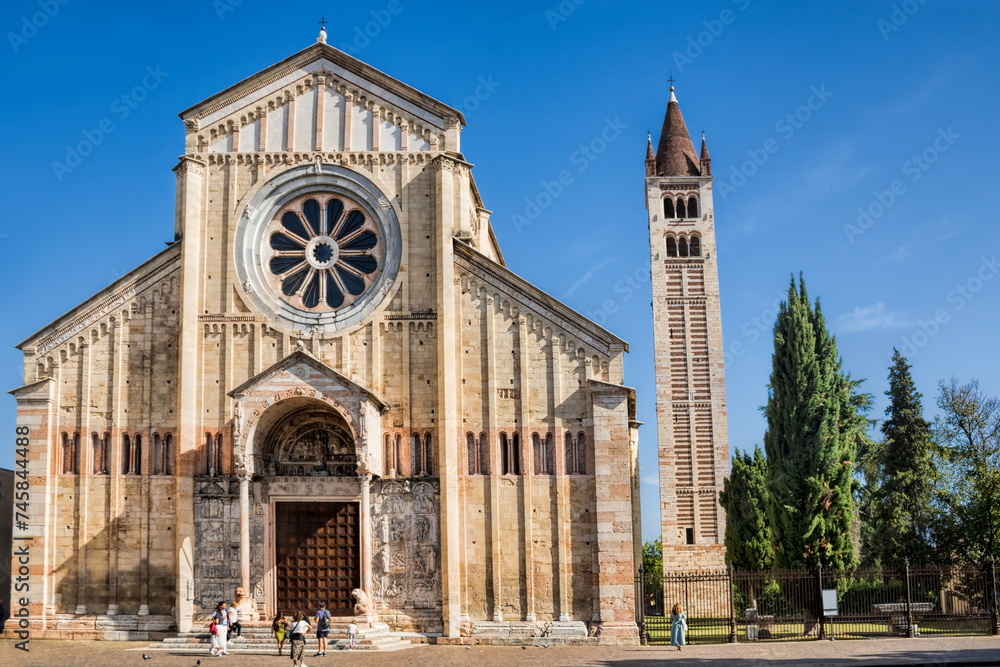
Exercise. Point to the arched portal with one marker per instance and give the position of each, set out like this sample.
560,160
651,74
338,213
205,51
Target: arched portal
305,458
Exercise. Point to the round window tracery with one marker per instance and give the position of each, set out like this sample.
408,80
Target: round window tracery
325,252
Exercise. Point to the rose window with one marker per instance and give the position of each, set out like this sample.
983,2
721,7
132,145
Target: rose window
325,252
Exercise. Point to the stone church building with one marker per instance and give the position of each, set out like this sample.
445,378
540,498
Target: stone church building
329,381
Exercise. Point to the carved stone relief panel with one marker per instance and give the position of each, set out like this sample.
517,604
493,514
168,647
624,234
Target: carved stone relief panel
406,567
217,563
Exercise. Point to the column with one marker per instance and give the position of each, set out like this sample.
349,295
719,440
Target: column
366,534
245,531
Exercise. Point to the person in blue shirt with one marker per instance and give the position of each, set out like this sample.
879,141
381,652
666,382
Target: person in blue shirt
322,628
678,626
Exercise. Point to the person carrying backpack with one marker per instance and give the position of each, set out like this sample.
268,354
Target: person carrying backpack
322,628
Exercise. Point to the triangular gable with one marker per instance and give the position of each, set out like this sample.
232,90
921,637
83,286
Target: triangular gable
111,298
318,70
302,357
544,304
33,391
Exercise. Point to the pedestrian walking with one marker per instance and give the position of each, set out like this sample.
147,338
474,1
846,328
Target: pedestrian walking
322,629
678,626
279,628
352,634
300,626
218,627
234,623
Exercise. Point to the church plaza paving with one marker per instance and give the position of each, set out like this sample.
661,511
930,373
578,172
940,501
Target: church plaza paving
950,651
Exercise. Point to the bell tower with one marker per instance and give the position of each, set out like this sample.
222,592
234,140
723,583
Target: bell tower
687,337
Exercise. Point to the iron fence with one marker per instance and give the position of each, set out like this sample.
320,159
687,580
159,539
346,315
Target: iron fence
800,605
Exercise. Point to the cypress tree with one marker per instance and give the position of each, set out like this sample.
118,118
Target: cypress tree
903,514
815,425
744,495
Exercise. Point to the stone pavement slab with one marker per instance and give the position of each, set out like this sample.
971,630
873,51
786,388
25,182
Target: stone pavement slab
951,652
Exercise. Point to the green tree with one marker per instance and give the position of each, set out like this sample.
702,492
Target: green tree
903,513
815,426
652,558
744,495
969,431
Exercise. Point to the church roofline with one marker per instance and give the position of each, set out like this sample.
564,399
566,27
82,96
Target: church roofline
530,291
31,385
338,57
85,310
303,356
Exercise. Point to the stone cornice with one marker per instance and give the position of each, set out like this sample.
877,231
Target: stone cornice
521,291
350,66
105,302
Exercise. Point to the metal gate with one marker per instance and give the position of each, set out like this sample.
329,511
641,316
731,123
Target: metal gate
317,556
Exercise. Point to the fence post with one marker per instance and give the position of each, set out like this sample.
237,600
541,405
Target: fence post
819,598
732,608
640,594
910,630
993,590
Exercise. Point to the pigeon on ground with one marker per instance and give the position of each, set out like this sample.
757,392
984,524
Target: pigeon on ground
146,657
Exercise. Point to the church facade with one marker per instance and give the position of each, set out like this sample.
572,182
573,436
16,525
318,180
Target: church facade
329,387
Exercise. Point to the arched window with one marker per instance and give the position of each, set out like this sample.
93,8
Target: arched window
484,455
695,246
428,455
126,454
682,247
137,455
576,462
218,454
70,453
106,454
398,454
693,207
668,208
681,209
478,454
96,458
156,460
387,457
671,246
168,454
510,454
543,453
420,462
472,448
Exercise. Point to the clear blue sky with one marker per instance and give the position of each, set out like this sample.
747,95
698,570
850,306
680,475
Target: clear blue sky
922,82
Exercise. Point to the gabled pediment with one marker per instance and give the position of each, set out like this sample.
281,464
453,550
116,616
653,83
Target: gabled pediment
320,99
40,390
301,364
518,290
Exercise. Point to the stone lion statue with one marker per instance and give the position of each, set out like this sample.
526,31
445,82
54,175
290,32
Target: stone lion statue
363,606
245,605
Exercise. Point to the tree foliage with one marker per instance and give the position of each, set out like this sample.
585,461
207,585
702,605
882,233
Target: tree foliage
903,513
744,496
969,431
652,559
815,426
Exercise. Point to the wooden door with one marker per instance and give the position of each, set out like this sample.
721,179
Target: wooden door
317,556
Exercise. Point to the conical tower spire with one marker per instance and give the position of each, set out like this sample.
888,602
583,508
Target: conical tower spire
650,156
675,154
706,159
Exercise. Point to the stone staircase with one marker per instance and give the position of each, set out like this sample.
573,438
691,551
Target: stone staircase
257,640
